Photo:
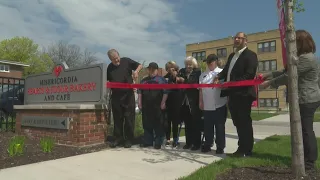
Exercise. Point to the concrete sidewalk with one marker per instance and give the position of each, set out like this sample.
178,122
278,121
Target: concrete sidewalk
279,124
122,164
141,164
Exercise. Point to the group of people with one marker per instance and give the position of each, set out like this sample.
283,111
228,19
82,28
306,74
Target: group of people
164,109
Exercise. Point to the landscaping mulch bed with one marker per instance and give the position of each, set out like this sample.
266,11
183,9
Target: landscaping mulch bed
264,173
33,153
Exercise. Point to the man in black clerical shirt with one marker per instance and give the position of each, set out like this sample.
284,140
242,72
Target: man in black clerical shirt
122,100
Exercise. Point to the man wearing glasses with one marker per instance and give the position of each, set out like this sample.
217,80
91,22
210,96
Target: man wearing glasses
241,65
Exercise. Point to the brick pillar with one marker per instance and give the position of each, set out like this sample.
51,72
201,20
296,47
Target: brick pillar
87,126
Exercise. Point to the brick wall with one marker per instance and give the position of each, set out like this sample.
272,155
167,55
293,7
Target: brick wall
87,128
15,72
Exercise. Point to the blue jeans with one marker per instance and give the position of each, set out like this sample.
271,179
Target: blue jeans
215,120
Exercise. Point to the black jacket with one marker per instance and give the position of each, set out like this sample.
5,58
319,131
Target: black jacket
175,95
192,94
245,68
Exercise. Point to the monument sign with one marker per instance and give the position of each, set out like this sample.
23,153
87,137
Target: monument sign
85,85
66,104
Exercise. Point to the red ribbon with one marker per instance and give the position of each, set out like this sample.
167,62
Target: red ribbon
244,83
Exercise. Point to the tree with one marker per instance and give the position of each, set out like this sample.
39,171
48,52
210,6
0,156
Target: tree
298,6
202,66
19,49
39,64
298,166
71,54
24,50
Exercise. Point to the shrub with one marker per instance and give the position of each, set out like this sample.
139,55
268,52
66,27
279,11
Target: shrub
46,144
16,145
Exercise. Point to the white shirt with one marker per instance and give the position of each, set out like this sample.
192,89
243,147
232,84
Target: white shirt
233,61
211,96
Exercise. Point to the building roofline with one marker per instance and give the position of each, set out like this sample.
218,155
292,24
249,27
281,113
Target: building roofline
231,36
13,63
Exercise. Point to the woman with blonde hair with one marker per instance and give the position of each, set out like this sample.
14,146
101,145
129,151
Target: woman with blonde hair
173,104
308,92
190,111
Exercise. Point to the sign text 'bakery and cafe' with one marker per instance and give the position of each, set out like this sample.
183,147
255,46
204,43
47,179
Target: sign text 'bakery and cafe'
66,85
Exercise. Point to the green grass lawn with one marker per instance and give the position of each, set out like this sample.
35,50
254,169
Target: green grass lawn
257,116
273,151
316,118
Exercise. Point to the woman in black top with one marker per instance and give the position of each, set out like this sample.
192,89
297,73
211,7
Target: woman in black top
173,104
190,112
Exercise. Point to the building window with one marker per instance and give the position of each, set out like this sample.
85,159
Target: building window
222,52
268,102
269,46
199,55
269,65
4,68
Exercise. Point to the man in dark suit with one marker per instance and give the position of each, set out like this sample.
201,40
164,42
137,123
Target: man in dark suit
241,65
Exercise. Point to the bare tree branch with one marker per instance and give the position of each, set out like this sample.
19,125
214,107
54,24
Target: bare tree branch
71,54
89,58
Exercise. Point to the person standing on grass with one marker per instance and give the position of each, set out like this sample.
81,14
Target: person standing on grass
173,104
214,108
122,100
241,65
152,103
308,92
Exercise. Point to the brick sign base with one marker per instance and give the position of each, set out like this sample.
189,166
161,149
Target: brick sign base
87,125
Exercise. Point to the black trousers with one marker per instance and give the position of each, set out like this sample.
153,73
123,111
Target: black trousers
240,110
193,125
307,112
173,121
123,112
216,119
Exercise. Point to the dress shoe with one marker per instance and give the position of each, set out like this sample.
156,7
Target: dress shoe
206,148
219,151
116,143
157,146
127,144
186,146
175,144
309,166
240,154
143,145
195,148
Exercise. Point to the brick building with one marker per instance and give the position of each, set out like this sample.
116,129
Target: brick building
11,69
144,72
266,44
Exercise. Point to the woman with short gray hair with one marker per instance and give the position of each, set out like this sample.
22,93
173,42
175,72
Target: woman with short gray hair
190,112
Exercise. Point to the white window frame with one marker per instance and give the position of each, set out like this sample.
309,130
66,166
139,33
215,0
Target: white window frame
4,68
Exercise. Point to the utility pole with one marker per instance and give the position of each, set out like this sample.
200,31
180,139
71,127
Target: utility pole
298,166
